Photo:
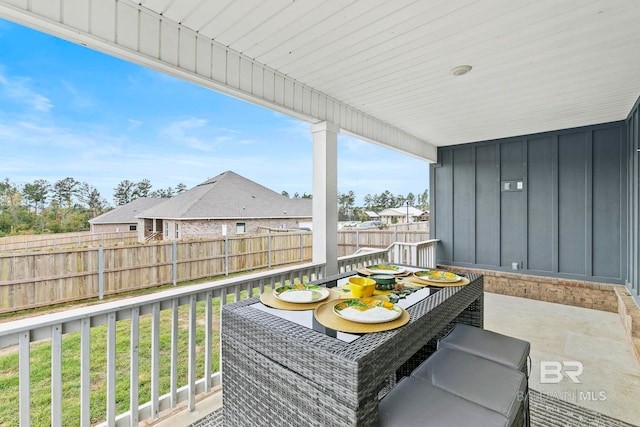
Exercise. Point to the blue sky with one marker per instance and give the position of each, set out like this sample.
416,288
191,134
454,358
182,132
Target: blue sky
69,111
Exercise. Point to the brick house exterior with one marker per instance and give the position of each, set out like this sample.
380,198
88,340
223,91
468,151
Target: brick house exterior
227,204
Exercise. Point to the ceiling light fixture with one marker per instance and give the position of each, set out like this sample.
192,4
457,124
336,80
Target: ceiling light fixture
461,70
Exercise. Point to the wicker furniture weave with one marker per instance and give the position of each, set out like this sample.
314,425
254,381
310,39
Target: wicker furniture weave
275,372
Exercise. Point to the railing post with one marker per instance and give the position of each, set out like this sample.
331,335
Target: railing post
191,370
24,349
208,348
100,272
174,256
134,366
56,375
432,254
173,376
85,372
111,370
155,360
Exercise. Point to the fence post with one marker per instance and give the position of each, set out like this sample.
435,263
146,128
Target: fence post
357,240
174,256
226,256
269,248
301,254
100,272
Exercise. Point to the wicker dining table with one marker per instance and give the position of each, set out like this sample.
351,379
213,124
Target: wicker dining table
277,372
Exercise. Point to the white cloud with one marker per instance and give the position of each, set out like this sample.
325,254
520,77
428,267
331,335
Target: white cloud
200,134
19,89
41,103
186,131
78,99
133,124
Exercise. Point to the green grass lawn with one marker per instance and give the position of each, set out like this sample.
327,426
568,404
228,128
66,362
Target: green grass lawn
41,364
41,368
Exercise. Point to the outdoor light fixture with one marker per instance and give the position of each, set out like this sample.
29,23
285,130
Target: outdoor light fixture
461,70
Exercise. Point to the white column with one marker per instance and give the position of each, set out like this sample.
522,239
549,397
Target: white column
325,195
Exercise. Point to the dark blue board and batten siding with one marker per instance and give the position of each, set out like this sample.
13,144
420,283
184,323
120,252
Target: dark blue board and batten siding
551,204
632,152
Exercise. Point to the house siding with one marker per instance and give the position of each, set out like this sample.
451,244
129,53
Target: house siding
111,228
551,204
200,229
632,208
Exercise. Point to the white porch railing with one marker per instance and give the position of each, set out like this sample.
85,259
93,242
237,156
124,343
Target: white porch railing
421,254
154,325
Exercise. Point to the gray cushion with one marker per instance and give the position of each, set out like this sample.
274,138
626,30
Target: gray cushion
509,351
479,380
415,403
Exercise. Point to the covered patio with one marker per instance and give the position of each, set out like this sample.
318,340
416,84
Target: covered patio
527,112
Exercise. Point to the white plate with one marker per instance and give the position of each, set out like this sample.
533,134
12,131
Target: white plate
437,276
385,269
301,294
374,313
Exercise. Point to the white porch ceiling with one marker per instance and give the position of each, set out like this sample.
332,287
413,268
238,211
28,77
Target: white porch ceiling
377,68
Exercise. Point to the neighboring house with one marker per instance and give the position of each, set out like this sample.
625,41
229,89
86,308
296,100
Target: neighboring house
122,218
227,204
401,215
371,215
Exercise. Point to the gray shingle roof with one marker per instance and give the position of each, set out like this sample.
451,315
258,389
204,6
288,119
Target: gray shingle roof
229,195
126,214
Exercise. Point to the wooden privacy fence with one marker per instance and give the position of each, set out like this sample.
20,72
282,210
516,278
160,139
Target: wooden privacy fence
350,241
66,240
36,279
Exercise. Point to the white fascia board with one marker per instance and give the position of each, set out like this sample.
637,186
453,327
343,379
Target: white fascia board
141,36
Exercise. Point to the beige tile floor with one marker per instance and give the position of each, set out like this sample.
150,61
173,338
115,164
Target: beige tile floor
610,381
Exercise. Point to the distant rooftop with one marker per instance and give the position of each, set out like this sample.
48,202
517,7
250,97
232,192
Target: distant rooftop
126,214
229,195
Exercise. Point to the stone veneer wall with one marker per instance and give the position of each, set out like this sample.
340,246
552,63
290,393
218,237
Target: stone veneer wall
578,293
